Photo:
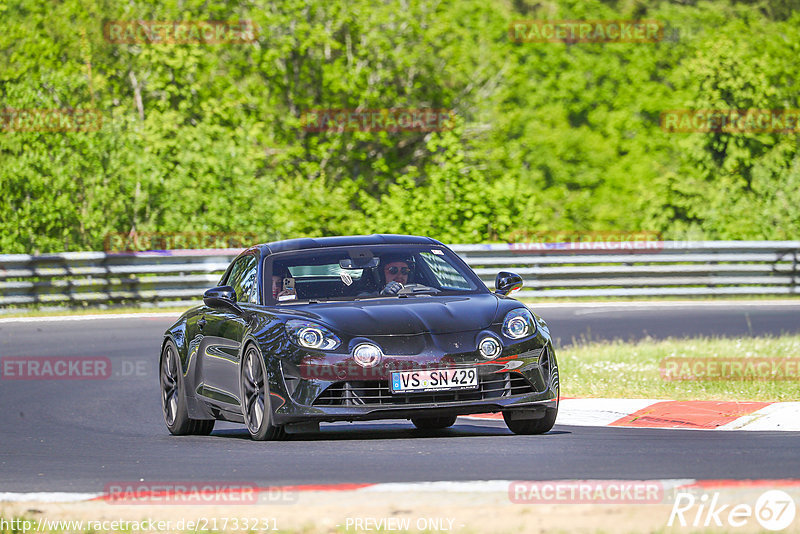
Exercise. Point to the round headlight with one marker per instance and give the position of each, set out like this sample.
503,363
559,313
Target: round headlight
517,327
489,348
367,355
310,337
519,323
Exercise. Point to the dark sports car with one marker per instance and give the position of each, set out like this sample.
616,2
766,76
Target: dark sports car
304,331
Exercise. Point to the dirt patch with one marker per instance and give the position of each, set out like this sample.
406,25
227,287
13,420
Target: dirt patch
365,511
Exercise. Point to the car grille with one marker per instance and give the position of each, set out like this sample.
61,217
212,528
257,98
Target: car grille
376,392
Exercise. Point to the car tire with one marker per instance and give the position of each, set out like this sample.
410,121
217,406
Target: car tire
173,397
434,423
532,426
543,424
254,391
203,427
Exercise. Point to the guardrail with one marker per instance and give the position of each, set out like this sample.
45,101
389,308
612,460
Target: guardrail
663,268
648,268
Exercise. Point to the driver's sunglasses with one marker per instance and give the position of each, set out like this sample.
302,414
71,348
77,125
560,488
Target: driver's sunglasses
395,270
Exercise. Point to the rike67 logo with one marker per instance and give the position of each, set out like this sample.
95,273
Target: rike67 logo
774,510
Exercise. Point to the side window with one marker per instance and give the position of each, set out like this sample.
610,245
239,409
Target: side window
250,282
446,275
243,279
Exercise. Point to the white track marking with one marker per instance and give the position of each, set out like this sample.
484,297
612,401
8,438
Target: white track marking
598,412
783,416
97,317
47,497
470,486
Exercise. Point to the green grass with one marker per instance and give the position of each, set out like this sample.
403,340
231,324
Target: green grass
631,370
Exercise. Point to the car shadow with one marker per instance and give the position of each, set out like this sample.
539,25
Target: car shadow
361,431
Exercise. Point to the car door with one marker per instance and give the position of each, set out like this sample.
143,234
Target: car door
223,334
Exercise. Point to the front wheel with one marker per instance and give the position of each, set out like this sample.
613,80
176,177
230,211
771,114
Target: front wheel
254,391
543,424
434,423
532,426
173,397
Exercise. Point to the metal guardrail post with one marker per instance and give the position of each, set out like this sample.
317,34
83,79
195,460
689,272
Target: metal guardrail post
793,281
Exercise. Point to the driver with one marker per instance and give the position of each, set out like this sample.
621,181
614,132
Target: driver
396,272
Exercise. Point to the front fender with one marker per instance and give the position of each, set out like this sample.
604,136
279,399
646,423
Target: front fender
267,332
186,343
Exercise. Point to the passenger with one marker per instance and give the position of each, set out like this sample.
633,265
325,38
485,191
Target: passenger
278,274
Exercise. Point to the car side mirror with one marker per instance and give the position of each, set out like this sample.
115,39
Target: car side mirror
506,282
220,297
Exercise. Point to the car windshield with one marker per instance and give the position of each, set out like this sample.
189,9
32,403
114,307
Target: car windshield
355,273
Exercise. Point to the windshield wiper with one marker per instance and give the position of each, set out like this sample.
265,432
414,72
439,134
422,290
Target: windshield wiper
302,301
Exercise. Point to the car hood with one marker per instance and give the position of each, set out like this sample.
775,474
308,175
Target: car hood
404,316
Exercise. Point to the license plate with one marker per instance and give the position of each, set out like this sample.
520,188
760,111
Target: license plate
434,380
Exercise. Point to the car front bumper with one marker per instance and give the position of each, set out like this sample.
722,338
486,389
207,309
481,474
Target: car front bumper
327,387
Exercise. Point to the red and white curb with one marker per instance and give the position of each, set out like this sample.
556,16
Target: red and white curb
666,488
698,415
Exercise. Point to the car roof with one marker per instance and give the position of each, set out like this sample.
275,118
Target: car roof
305,243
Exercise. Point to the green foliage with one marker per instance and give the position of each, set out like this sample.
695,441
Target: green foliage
449,193
735,186
548,136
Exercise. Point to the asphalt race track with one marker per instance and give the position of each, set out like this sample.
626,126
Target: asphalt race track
80,435
632,321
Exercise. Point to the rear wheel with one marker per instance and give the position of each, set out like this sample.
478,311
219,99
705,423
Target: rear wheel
434,423
173,397
254,391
